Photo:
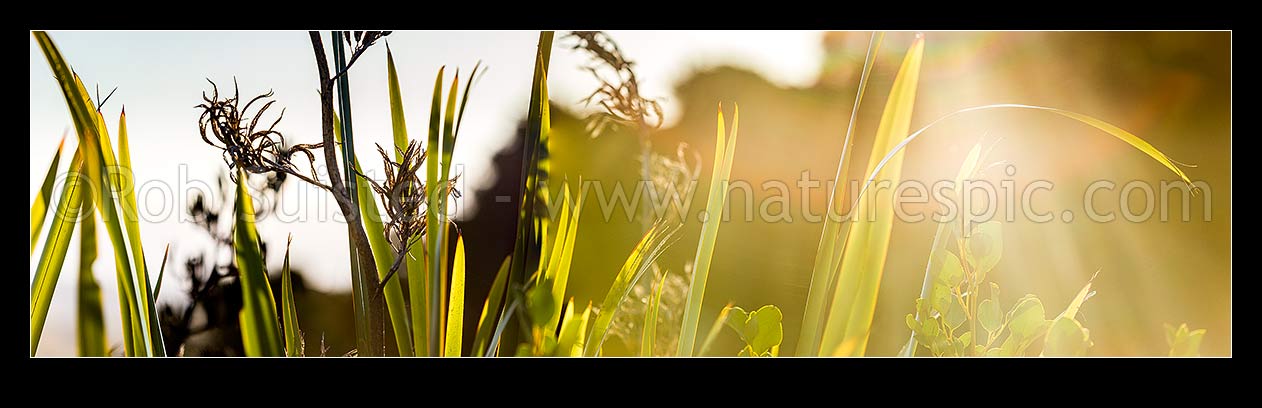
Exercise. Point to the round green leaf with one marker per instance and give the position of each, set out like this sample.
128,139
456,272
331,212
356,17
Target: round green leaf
1026,319
763,329
989,315
951,272
984,247
940,298
1066,338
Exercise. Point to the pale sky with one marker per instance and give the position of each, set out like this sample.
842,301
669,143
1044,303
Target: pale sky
160,77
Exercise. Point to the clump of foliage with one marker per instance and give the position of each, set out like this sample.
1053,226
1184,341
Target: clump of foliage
760,329
1184,342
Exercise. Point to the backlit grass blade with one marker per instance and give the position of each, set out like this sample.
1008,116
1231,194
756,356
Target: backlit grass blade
490,310
724,151
563,253
828,254
97,157
40,207
863,259
111,182
659,237
432,277
526,240
649,335
293,334
259,331
455,309
55,247
570,342
162,269
441,194
397,122
715,328
383,256
90,321
148,308
1113,130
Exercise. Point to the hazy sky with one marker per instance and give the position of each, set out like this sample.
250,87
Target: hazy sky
160,77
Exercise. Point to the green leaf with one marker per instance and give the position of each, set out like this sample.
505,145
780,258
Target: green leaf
90,324
938,251
397,121
1184,342
259,333
148,305
724,152
990,316
40,207
715,328
1066,338
951,273
655,241
534,145
490,310
562,252
858,280
540,305
293,334
736,318
94,141
570,342
940,299
828,254
763,329
1071,311
435,248
955,315
455,308
649,335
984,247
1026,319
56,245
382,254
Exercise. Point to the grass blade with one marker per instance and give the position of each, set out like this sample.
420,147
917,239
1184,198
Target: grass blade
55,248
442,191
562,253
490,310
258,313
397,122
97,157
828,254
383,256
162,269
715,328
570,342
40,207
455,311
90,324
1113,130
432,274
863,259
405,335
148,308
649,335
526,242
293,334
655,241
724,150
